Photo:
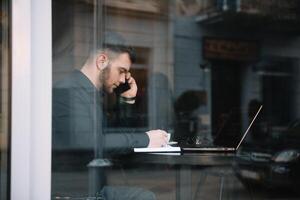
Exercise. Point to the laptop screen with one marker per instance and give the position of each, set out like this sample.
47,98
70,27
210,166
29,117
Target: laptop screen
231,127
229,131
250,125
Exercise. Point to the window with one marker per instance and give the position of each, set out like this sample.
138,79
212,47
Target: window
202,68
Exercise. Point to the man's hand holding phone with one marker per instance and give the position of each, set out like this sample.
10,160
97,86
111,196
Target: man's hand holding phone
132,89
127,90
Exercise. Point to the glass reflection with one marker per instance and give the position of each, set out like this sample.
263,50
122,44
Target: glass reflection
202,69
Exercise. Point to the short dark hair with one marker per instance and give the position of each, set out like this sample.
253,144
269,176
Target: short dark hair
119,49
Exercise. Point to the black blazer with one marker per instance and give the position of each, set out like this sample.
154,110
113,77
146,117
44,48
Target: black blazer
77,119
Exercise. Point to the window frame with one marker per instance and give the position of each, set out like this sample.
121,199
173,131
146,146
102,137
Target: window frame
31,100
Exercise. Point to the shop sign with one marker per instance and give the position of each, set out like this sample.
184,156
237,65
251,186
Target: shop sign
229,49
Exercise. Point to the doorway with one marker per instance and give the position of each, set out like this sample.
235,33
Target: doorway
226,102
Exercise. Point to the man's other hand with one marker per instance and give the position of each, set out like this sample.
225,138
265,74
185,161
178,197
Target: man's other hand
157,138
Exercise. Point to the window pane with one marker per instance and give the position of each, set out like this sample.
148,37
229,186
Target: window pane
4,100
203,69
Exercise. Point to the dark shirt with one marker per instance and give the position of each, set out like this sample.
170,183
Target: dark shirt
78,119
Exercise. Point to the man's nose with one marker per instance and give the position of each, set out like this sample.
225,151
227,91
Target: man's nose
122,79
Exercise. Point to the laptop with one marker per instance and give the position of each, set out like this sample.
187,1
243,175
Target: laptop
220,148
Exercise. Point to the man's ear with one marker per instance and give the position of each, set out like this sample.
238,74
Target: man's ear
101,61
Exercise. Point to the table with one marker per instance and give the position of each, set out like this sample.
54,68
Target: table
183,164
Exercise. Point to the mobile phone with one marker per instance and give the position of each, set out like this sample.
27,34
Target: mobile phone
122,87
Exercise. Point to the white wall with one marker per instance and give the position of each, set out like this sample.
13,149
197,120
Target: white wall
31,100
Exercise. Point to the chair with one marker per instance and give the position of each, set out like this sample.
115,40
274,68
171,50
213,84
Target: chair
221,172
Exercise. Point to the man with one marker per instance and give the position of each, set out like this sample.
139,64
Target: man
77,107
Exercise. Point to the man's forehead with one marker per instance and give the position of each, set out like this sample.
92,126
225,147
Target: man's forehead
123,62
124,57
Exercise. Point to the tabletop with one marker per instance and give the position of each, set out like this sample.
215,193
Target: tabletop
197,159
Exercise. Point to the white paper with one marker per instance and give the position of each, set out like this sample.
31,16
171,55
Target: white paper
157,150
168,153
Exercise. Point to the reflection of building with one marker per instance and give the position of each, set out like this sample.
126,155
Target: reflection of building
242,36
223,21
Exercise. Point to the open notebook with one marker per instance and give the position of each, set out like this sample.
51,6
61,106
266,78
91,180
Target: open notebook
167,149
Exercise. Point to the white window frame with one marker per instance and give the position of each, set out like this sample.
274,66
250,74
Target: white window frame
31,99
